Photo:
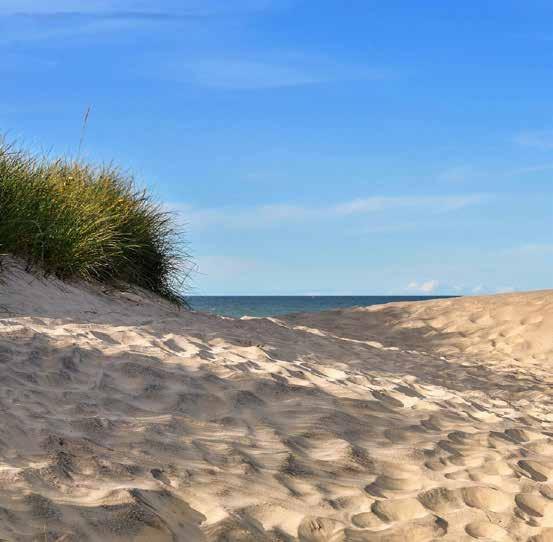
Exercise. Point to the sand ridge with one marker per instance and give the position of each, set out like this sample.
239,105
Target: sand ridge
125,419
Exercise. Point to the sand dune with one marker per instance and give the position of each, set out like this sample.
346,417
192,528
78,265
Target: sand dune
125,419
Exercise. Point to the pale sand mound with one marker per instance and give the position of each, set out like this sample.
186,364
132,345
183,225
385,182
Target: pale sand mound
499,328
124,419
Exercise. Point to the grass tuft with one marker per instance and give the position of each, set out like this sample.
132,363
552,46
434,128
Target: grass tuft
93,223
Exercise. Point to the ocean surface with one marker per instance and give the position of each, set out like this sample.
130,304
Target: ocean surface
274,305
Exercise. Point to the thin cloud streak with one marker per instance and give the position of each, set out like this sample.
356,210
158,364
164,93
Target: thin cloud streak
531,169
33,20
72,16
537,139
240,74
266,216
437,203
529,249
132,8
247,72
426,287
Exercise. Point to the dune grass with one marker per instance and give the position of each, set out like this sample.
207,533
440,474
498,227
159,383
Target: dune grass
80,221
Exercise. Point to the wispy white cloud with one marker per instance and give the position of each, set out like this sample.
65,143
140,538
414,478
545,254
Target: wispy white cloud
458,174
481,289
264,216
529,249
31,29
201,66
261,216
239,74
542,139
425,287
434,286
37,20
538,168
60,8
132,7
435,203
14,7
505,289
258,71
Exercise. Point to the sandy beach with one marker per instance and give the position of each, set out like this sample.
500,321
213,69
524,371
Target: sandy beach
124,418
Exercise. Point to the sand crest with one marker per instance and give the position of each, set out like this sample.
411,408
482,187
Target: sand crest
125,419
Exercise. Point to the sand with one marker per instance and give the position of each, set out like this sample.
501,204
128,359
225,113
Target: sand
125,419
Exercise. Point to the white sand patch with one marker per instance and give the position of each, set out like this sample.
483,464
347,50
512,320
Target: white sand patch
126,419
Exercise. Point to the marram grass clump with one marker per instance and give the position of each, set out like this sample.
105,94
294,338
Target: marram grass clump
76,220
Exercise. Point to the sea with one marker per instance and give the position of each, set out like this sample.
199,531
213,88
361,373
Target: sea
260,306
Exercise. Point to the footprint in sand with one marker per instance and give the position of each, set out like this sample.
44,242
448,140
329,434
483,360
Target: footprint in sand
399,510
441,500
417,530
314,529
536,506
487,531
535,470
397,477
486,498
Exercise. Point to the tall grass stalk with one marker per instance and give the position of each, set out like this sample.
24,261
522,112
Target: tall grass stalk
78,220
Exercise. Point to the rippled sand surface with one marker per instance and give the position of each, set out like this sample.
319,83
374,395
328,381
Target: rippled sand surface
125,419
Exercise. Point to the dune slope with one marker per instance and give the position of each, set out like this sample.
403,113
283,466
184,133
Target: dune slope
125,419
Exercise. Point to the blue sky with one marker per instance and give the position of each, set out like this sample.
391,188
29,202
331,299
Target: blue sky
312,146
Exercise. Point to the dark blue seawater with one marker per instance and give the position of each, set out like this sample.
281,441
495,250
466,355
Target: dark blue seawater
274,305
